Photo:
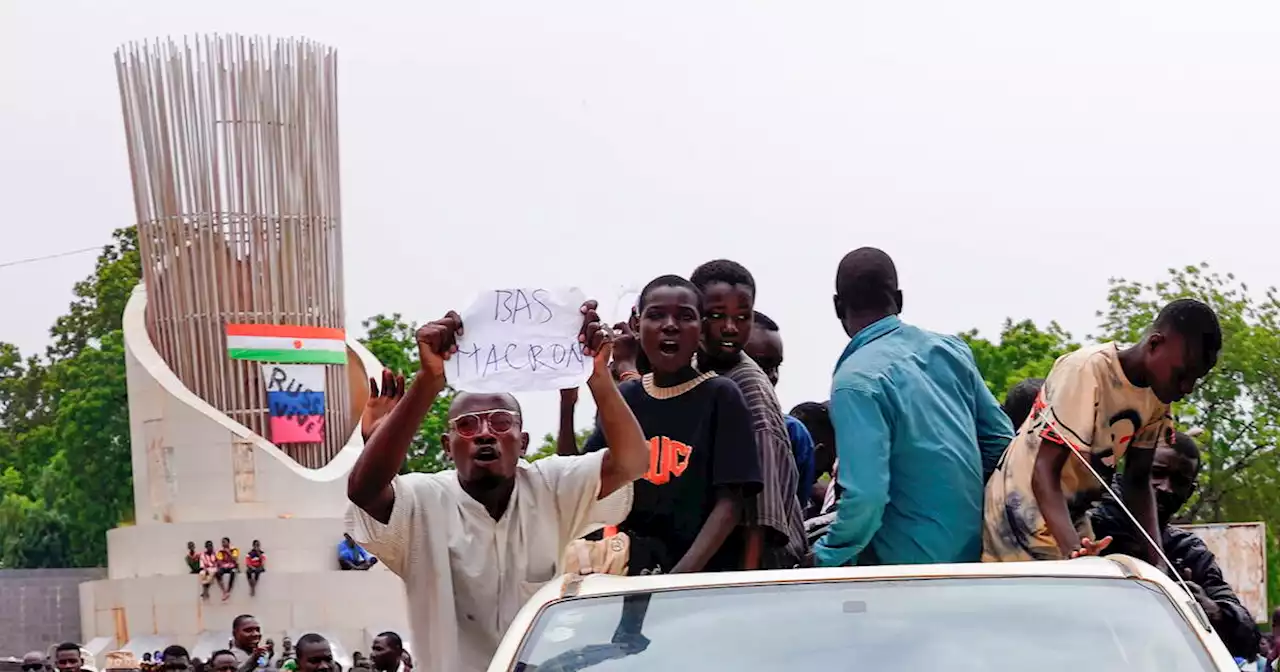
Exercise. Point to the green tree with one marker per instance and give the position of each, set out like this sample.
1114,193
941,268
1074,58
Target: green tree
100,298
70,408
548,445
1023,351
34,536
392,340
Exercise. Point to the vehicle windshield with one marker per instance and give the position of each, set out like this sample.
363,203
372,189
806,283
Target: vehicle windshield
978,624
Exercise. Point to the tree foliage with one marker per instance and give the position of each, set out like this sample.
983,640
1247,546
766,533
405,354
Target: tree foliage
64,426
1023,351
548,445
392,340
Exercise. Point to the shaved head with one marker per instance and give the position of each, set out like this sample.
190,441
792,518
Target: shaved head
472,402
866,289
866,280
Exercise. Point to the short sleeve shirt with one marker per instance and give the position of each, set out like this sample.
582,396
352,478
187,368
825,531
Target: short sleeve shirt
1088,405
776,508
466,574
699,440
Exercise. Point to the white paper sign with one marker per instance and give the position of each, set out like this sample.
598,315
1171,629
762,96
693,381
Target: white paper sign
521,339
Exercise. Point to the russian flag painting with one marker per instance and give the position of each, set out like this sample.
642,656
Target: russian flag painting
295,402
287,344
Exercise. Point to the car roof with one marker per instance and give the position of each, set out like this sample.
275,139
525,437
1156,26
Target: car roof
1109,567
1118,567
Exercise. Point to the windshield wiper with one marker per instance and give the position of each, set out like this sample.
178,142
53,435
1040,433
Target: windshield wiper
627,640
590,655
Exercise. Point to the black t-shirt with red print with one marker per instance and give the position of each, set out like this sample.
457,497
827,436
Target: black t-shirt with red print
699,440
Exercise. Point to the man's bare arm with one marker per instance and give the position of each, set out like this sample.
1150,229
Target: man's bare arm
1046,484
566,437
753,549
1140,497
628,453
369,485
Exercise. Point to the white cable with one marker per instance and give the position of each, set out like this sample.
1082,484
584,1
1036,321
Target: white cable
29,260
1075,450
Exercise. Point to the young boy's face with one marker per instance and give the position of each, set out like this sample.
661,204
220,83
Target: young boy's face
765,347
1174,368
1173,477
726,326
670,327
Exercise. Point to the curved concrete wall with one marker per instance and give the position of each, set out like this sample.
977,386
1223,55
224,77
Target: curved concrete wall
193,463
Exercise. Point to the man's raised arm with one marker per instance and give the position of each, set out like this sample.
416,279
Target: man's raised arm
369,485
628,453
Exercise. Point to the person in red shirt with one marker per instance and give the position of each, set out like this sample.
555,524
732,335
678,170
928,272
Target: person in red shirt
208,569
228,567
255,564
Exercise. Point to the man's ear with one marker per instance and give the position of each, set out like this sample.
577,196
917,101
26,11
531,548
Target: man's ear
1154,340
524,442
835,303
897,297
444,445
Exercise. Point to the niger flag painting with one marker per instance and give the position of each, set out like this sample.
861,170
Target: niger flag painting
287,344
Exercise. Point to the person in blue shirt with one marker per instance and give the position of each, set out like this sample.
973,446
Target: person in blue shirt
765,347
816,418
352,556
917,431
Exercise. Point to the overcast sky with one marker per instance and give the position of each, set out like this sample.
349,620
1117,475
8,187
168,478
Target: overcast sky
1010,156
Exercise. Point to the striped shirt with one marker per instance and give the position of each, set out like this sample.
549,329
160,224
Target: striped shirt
776,507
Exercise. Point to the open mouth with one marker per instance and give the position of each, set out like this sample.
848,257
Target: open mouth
729,346
668,347
485,454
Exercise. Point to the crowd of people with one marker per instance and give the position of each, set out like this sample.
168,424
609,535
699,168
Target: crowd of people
246,651
223,565
694,461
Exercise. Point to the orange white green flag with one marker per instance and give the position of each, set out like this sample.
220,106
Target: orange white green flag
287,344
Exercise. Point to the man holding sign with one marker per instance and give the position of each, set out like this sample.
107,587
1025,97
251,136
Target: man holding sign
473,544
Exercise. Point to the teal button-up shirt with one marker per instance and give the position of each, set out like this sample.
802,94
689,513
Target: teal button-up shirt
917,432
